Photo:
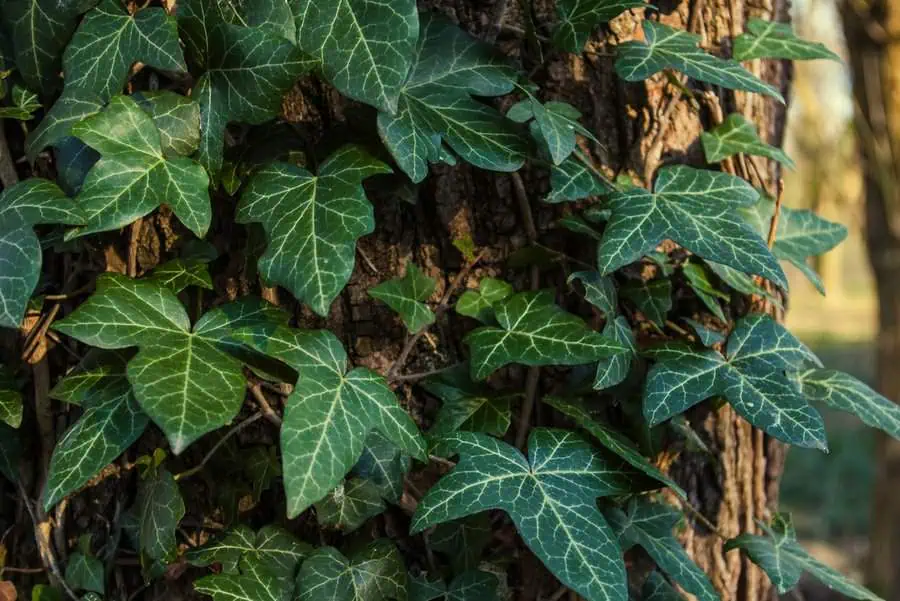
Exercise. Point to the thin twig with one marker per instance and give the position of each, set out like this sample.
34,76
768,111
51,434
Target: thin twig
264,406
441,308
674,326
773,225
218,445
36,335
424,374
22,570
133,243
531,384
703,520
42,538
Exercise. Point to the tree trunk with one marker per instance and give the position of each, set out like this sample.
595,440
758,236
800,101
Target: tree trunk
872,32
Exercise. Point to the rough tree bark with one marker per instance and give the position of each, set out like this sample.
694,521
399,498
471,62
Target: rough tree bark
872,30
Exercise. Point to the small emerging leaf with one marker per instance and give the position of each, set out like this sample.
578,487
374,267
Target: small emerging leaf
579,18
376,573
350,505
467,405
737,135
406,295
652,298
158,508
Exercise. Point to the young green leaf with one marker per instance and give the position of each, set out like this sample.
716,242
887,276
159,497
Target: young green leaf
650,525
176,117
800,234
610,439
241,548
69,109
467,405
535,331
479,304
110,40
10,399
133,177
784,560
376,573
573,180
473,585
558,123
24,105
158,508
365,47
599,290
384,465
751,376
707,336
579,18
350,505
261,466
435,105
769,39
551,497
737,135
665,47
695,208
85,573
248,72
183,378
111,422
652,298
463,541
657,588
740,281
40,31
613,370
22,206
329,413
843,392
179,274
406,295
698,280
312,223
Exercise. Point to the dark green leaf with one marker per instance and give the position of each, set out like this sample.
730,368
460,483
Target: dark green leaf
110,40
535,331
698,280
10,399
657,588
350,505
312,223
784,560
665,47
473,585
176,117
751,376
240,548
159,508
768,39
573,180
579,18
376,573
24,104
613,370
599,290
463,541
179,274
652,298
71,108
329,413
737,135
479,304
467,405
406,295
133,177
384,465
255,583
707,336
85,573
551,497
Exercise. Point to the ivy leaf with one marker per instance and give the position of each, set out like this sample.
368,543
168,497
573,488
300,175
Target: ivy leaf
262,467
435,105
698,280
255,582
110,40
473,585
176,117
329,413
707,336
22,206
768,39
406,295
376,573
652,298
556,124
579,18
740,281
463,541
695,208
801,234
10,400
784,560
535,331
350,505
133,177
479,304
737,135
650,525
552,499
56,126
599,290
183,378
613,370
111,422
179,274
24,105
467,405
10,452
40,30
159,509
248,73
240,548
843,392
665,47
574,180
611,439
312,223
85,573
422,589
657,588
751,376
365,47
384,465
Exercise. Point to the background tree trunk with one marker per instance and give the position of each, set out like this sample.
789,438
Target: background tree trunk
872,30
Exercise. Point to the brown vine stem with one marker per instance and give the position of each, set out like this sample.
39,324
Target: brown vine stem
424,374
440,310
773,225
209,455
703,520
133,246
264,406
